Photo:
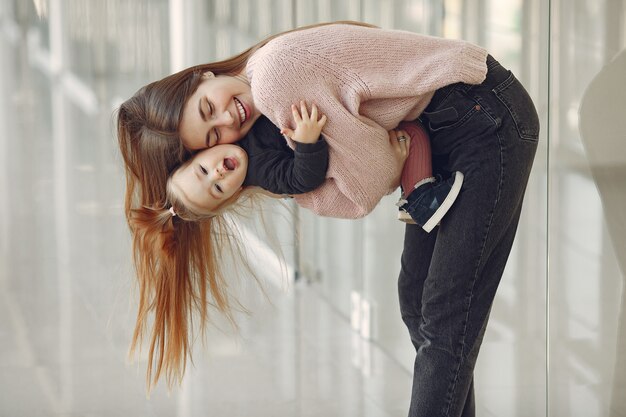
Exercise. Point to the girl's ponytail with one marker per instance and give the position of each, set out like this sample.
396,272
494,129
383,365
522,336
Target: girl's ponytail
178,275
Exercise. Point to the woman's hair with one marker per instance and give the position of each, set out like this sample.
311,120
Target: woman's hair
177,258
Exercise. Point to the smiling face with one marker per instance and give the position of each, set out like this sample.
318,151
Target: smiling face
220,111
211,177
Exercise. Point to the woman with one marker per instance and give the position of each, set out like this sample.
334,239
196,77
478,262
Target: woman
481,122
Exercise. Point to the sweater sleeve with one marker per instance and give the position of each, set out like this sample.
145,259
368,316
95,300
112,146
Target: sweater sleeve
391,64
283,171
400,64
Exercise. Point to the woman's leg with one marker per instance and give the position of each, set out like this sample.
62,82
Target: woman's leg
495,152
418,249
415,262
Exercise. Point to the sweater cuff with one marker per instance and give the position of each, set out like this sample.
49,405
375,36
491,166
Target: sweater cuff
475,64
311,147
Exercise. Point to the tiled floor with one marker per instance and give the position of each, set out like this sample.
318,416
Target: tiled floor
293,358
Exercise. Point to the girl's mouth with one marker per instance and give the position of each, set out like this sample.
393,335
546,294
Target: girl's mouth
230,164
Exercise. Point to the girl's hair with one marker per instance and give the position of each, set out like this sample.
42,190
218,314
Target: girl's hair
177,258
178,253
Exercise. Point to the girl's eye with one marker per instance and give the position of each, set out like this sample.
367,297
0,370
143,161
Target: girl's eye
203,170
218,188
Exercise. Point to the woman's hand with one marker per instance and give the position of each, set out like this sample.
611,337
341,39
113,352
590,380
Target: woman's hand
400,142
308,128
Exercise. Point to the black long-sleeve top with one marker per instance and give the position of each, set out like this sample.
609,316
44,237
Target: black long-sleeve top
274,166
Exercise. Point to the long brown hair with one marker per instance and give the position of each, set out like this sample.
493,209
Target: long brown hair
177,258
177,253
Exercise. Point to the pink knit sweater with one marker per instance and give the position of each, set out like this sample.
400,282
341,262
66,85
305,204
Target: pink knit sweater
366,81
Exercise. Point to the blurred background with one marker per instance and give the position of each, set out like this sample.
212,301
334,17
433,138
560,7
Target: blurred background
329,341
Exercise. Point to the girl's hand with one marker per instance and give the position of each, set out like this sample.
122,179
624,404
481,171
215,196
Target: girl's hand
400,147
308,128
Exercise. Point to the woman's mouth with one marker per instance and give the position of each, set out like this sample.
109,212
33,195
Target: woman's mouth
241,109
230,164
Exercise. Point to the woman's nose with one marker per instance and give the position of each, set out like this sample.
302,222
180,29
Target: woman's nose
225,119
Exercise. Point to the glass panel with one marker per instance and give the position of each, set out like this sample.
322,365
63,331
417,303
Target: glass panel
587,198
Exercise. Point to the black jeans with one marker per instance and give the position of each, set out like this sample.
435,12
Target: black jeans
448,278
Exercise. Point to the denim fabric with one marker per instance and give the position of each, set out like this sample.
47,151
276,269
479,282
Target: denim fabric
448,278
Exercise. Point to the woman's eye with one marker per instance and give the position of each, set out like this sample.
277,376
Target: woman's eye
218,188
203,170
217,136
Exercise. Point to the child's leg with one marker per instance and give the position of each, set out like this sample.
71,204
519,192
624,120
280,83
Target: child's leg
418,166
425,199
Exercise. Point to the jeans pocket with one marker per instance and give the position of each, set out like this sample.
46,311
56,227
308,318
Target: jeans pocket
520,106
449,118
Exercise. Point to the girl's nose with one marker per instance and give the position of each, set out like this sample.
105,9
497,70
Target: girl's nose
219,174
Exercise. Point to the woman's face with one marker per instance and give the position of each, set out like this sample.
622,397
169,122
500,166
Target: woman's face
220,111
211,177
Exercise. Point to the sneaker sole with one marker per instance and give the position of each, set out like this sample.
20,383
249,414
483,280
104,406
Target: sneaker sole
447,203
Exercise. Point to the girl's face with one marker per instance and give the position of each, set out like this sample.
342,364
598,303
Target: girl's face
211,177
220,111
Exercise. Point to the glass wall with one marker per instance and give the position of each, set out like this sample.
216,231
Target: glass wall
586,200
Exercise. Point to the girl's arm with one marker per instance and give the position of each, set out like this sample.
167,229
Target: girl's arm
281,170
